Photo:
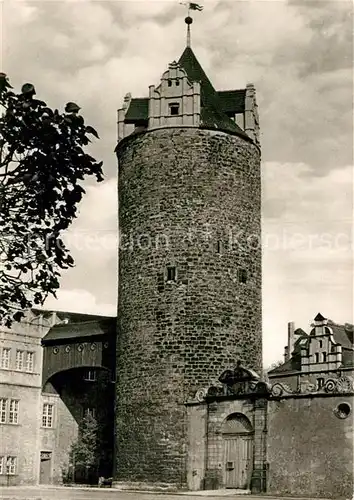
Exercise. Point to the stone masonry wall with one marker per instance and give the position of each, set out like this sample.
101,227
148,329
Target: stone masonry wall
188,199
310,449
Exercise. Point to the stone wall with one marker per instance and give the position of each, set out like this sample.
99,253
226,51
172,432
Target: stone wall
310,449
189,200
197,415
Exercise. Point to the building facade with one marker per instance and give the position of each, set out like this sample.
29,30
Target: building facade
20,400
43,400
189,302
291,435
312,403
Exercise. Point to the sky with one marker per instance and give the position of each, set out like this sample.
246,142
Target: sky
298,54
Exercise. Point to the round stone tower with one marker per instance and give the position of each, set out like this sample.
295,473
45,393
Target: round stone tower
189,260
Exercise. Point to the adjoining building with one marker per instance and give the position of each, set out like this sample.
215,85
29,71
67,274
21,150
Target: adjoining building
40,409
310,413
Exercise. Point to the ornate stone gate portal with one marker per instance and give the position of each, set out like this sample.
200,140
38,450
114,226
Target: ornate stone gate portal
227,433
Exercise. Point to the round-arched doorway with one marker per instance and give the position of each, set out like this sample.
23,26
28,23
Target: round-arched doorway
238,435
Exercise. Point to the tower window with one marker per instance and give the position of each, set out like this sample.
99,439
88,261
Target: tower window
317,357
169,83
177,83
171,273
242,276
174,109
320,342
324,356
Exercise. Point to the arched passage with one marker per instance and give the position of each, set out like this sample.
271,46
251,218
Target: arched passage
238,434
82,392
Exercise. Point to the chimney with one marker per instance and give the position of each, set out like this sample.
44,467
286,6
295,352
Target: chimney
53,319
286,353
291,330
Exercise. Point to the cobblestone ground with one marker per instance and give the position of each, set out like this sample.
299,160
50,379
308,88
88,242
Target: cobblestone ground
34,493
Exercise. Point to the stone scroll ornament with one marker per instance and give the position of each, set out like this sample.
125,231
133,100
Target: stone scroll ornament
200,394
342,384
280,389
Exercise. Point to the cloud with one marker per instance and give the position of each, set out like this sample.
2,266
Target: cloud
93,243
84,301
308,249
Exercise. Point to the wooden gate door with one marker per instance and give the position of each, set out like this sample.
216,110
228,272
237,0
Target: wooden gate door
45,467
238,457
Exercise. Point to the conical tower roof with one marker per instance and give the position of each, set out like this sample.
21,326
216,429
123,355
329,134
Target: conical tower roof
212,115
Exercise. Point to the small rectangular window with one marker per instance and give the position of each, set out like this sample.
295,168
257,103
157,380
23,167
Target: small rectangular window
317,357
29,361
11,463
19,360
47,415
90,412
320,343
324,357
5,357
90,375
242,276
174,109
171,274
3,406
13,411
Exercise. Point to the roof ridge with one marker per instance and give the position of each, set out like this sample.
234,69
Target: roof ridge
212,115
78,323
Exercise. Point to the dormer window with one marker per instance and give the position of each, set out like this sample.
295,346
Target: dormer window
174,109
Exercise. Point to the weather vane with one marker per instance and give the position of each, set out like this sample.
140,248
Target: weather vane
188,19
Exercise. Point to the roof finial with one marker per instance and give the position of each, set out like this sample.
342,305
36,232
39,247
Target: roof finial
188,20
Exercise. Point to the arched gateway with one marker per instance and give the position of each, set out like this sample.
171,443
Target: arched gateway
238,435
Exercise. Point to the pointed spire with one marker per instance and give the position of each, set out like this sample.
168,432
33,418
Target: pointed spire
188,20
